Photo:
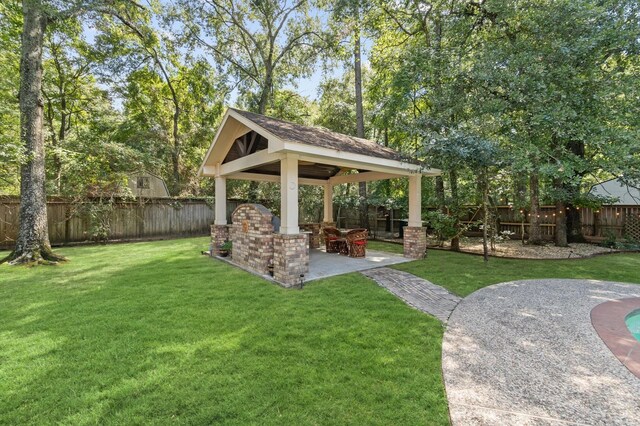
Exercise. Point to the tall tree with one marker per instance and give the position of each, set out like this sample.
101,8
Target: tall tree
10,148
336,104
32,244
351,13
69,90
141,52
262,44
418,85
357,70
559,83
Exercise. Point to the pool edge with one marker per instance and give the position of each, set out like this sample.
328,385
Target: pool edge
608,319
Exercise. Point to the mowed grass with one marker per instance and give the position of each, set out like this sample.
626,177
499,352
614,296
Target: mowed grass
384,246
157,333
464,273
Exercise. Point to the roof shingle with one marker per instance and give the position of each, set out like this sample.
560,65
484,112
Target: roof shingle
321,137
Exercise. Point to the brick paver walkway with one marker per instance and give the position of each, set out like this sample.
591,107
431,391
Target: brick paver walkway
417,292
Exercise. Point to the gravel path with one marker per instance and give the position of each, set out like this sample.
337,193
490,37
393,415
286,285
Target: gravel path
525,353
415,291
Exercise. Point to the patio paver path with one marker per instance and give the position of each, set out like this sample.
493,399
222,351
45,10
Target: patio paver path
415,291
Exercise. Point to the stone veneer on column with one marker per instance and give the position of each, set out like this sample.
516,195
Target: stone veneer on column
415,242
219,234
290,258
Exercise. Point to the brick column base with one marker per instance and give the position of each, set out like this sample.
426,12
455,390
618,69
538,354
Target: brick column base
415,242
219,234
290,258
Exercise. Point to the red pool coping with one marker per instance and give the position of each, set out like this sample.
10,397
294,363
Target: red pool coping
608,319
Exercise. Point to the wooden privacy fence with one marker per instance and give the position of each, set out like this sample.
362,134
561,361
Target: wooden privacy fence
597,224
121,220
71,221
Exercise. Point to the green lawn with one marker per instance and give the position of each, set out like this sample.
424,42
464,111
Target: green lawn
463,273
389,247
156,333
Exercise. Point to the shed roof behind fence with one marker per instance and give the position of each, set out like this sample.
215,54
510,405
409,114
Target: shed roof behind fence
626,194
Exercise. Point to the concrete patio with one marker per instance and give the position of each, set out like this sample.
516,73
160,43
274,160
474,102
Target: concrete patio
323,264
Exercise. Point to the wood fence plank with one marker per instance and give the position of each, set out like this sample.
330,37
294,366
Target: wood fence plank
129,220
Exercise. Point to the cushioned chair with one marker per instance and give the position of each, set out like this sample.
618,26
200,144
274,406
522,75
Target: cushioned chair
357,242
332,239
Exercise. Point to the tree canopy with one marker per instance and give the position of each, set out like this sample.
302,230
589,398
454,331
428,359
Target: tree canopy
127,86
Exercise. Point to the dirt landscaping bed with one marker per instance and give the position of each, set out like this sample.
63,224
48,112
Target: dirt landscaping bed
514,248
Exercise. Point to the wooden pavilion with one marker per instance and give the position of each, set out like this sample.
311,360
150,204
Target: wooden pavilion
251,146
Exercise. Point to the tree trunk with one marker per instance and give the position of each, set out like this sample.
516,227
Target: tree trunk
561,218
453,177
484,181
440,194
357,65
574,225
62,135
32,244
57,161
175,154
266,90
561,225
535,231
358,82
520,191
262,109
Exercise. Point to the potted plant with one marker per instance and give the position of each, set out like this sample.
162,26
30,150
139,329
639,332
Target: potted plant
225,248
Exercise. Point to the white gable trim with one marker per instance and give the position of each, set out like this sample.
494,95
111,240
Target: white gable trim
249,161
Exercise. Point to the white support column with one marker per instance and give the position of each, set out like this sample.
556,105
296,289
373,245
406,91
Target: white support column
328,203
289,195
415,200
221,201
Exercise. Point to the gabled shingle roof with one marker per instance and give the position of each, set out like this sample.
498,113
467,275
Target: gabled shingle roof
321,137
